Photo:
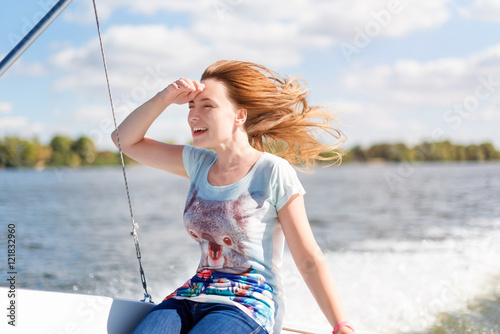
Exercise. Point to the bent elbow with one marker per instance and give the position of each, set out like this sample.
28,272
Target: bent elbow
114,138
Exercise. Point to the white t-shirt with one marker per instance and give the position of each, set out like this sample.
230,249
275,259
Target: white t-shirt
239,234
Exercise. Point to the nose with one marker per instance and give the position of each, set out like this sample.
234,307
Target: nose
193,115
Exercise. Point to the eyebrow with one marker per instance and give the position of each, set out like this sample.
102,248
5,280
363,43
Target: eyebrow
203,100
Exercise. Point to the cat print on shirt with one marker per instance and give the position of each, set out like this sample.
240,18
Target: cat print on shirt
219,228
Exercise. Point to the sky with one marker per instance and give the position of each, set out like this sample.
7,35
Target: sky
391,70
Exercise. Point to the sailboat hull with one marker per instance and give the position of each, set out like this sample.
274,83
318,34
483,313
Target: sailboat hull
56,313
45,312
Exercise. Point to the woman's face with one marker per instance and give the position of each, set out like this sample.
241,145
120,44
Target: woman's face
212,116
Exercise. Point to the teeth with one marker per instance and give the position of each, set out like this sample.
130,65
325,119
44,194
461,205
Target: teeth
199,129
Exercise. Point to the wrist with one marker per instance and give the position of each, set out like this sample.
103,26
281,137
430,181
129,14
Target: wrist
345,330
163,97
344,327
162,100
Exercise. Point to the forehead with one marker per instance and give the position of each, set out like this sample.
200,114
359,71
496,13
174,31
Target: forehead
214,90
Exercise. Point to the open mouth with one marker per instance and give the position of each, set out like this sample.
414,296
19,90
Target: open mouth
199,131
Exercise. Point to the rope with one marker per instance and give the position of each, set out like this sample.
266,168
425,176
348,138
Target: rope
134,225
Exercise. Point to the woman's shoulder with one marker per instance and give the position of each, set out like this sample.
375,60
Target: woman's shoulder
276,163
196,159
276,160
194,153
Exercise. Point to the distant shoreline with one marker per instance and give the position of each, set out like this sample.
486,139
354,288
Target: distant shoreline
82,152
374,164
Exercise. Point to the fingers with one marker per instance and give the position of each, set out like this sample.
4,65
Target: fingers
200,86
182,91
189,84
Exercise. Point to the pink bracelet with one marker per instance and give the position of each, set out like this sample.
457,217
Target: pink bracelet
342,324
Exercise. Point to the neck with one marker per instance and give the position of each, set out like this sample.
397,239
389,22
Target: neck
236,152
235,155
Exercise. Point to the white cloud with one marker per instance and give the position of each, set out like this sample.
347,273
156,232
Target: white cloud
19,126
153,6
5,107
180,51
22,68
275,44
142,59
345,20
439,83
487,10
137,69
13,123
491,114
334,20
91,114
83,12
433,100
276,33
368,123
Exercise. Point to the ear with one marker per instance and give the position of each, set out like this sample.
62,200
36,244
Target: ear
241,116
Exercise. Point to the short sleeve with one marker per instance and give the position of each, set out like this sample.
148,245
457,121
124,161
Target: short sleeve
194,158
285,184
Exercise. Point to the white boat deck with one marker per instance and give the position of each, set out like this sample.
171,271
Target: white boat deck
44,312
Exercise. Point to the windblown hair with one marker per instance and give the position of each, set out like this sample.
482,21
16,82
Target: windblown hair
279,118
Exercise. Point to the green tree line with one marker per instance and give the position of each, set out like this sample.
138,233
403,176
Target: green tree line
426,151
63,151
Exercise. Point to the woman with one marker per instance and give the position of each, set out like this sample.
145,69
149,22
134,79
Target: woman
242,201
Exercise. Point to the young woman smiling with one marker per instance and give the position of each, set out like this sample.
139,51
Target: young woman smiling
243,201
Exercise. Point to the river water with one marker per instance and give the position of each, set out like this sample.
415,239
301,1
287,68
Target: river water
413,248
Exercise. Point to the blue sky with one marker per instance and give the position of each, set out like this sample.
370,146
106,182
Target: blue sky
394,71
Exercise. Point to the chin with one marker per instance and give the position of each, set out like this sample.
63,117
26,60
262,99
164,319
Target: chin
200,144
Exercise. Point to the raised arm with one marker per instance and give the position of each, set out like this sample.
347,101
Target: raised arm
132,130
311,262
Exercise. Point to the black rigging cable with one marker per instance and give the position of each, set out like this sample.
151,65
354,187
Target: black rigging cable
134,225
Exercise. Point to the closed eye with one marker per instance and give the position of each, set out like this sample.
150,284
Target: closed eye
205,106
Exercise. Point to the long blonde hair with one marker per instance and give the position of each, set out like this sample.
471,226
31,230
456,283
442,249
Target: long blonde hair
279,119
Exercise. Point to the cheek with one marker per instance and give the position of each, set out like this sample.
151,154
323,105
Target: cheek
230,120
